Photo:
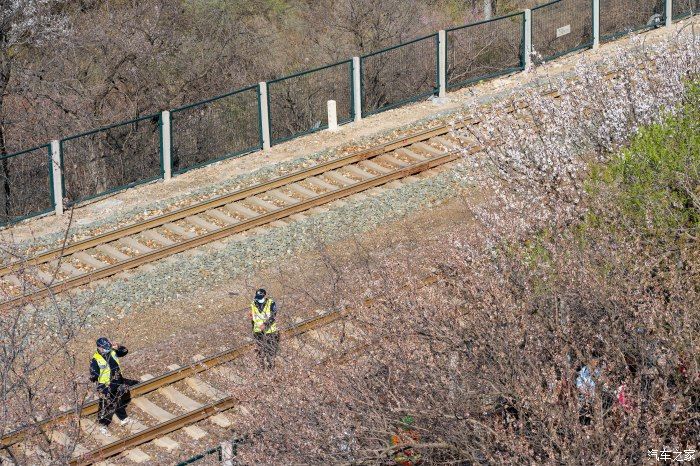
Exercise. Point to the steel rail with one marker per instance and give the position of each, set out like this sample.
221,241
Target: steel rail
228,355
186,419
224,232
171,377
154,432
227,198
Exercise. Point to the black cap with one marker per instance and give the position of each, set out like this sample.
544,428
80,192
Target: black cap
260,294
104,343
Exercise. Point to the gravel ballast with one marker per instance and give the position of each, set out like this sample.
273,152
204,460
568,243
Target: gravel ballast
213,264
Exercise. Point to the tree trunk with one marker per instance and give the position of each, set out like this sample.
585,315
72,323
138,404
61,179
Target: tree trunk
6,212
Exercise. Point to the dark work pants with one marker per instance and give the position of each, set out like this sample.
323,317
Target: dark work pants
115,401
267,344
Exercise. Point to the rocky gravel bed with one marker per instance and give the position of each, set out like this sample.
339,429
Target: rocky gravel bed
218,262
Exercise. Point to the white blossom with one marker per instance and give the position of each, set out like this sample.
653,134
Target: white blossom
535,158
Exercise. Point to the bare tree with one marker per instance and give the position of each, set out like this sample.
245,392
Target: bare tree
24,26
485,365
39,372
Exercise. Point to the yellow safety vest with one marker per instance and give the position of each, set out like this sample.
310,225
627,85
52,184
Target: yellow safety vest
105,372
260,317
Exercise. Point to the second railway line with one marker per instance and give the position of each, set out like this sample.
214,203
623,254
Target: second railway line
107,254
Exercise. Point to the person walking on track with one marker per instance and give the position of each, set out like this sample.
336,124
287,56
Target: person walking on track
112,387
263,312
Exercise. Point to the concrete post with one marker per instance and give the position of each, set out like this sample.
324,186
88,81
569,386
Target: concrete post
528,39
264,116
166,145
356,89
332,116
596,24
57,173
227,453
669,13
442,66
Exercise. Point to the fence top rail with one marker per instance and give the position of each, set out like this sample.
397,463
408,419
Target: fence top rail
434,35
25,151
113,125
344,62
539,7
212,99
456,28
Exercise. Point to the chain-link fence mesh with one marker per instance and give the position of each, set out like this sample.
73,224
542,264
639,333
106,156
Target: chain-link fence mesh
561,27
685,8
111,158
215,129
298,104
26,188
400,74
619,17
483,50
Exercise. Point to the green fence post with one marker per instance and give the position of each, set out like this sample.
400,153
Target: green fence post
527,41
57,176
442,59
264,115
356,89
166,146
669,13
596,24
52,193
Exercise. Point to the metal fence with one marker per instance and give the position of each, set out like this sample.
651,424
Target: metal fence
619,17
111,158
215,129
298,103
560,27
685,8
104,160
26,186
399,74
485,49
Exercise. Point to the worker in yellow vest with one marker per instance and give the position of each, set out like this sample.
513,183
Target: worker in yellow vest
263,312
112,387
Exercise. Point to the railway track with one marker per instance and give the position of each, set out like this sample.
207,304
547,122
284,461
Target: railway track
192,390
328,337
107,254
